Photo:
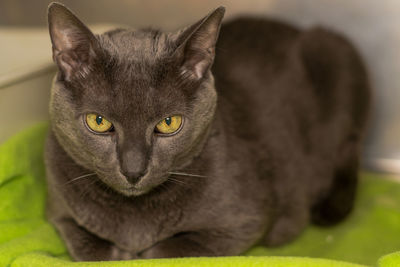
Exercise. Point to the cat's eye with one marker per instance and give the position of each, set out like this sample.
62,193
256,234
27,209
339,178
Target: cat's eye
169,125
98,123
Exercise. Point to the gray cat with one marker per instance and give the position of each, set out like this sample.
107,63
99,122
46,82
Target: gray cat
176,144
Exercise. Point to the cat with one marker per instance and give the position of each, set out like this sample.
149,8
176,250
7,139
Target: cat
201,142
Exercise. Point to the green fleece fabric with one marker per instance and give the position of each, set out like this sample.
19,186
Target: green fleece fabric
27,239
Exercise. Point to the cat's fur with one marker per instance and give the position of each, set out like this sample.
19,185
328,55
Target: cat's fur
277,148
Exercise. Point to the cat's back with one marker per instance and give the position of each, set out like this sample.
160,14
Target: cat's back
248,41
251,56
248,48
267,67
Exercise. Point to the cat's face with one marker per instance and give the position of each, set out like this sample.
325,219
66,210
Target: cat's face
137,81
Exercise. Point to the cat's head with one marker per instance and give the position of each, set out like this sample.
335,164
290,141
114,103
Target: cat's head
129,105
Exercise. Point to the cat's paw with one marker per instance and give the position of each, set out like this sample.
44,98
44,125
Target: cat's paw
120,254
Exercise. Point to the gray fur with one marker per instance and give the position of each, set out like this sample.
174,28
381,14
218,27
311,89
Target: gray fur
277,148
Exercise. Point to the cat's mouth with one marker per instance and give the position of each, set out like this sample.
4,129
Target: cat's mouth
133,191
142,187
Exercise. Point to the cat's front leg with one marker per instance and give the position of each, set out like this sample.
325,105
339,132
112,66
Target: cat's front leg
192,245
84,246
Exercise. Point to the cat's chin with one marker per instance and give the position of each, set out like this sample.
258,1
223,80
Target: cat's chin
133,191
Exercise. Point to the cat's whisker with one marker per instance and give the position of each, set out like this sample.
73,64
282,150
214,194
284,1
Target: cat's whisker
176,181
79,178
187,174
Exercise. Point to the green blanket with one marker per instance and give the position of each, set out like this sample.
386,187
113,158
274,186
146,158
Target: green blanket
27,239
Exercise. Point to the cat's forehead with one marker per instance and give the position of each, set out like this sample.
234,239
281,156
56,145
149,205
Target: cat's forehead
141,57
137,75
134,45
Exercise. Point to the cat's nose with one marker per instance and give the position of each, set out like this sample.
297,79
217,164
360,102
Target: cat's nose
133,177
133,163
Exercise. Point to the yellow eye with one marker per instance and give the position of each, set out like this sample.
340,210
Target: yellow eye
98,123
169,125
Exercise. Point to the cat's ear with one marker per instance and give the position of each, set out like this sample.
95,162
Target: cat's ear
197,44
73,43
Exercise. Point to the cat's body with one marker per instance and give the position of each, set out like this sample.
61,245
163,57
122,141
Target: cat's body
277,148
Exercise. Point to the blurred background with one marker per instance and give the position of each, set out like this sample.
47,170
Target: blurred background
26,68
